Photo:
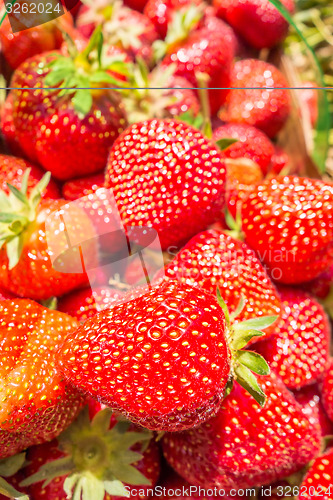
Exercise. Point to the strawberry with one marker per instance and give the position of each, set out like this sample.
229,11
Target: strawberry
258,21
172,374
327,390
4,295
165,174
244,445
312,406
94,458
85,303
83,186
12,170
62,123
289,222
136,4
162,12
280,161
299,350
36,403
213,259
7,127
251,143
25,256
321,286
318,481
252,101
11,475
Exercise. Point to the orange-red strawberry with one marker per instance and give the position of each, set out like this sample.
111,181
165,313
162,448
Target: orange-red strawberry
82,186
258,96
244,445
36,402
310,399
327,390
213,259
163,358
318,481
165,174
299,349
257,21
288,221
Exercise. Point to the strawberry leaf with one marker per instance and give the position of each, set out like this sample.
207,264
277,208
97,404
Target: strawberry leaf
82,101
254,361
255,323
248,381
225,143
242,338
9,466
9,491
223,306
116,488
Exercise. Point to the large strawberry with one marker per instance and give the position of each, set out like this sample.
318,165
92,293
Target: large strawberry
289,222
299,349
163,358
327,390
213,259
165,174
69,132
244,445
310,399
318,481
36,402
82,186
94,458
26,268
258,21
258,96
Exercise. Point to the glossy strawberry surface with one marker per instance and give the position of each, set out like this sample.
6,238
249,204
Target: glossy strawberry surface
82,186
310,399
319,478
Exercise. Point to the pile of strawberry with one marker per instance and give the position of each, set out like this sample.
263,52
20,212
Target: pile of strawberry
211,369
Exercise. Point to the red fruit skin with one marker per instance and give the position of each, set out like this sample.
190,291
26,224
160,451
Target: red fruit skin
55,136
12,170
213,259
34,275
162,384
161,12
322,285
15,481
252,144
185,99
84,304
319,478
327,391
7,127
244,445
310,400
208,50
288,221
188,193
280,161
249,101
257,21
299,350
4,295
136,4
38,403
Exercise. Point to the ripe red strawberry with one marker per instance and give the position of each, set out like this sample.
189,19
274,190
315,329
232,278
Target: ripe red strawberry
25,255
12,170
312,406
7,127
171,374
318,481
289,222
327,391
280,161
136,4
68,133
251,143
84,304
250,102
244,445
321,286
94,456
162,12
213,259
299,349
77,188
36,403
165,174
258,21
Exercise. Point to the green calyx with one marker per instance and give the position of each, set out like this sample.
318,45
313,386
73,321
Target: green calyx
17,212
235,224
184,21
245,364
9,467
98,459
81,74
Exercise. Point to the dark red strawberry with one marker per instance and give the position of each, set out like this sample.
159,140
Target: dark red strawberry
327,390
253,101
36,402
163,358
7,126
165,174
299,350
213,259
84,304
289,222
251,143
136,4
88,454
77,188
244,445
4,294
258,21
162,12
318,481
68,133
12,170
310,400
